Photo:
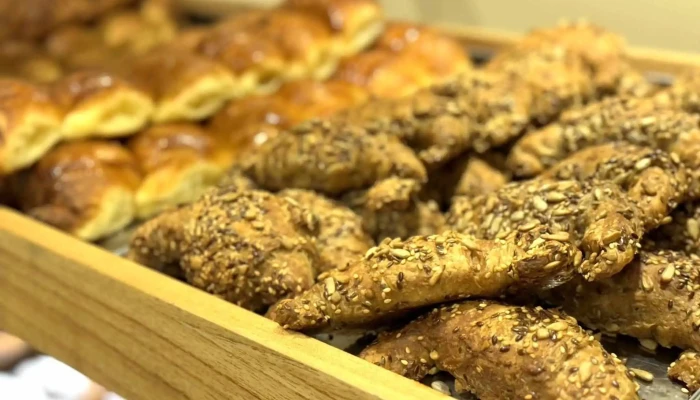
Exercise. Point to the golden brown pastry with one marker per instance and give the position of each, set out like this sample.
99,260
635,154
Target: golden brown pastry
341,238
81,47
101,104
85,188
635,121
682,233
265,48
32,19
30,124
501,352
185,86
598,218
251,248
25,60
686,370
355,23
401,275
392,209
246,123
138,31
179,162
312,156
651,177
651,298
443,56
384,74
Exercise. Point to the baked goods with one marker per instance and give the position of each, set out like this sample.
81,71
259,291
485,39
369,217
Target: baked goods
498,351
313,157
406,58
682,232
85,188
178,161
248,247
30,124
340,238
28,61
355,23
601,221
185,86
686,370
248,122
402,275
101,104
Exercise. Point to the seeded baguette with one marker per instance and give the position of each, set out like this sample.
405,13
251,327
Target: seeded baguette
502,352
687,370
651,298
682,233
398,276
654,180
341,238
596,217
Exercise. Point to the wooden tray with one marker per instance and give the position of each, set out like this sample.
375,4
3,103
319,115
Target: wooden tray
147,336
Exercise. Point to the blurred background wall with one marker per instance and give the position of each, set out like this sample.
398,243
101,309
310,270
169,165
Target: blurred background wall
669,24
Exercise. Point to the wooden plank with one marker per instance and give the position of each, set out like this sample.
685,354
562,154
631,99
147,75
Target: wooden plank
147,336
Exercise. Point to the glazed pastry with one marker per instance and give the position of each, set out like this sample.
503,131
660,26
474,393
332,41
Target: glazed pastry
598,218
179,162
686,370
138,31
101,104
30,124
341,238
355,23
652,178
85,188
80,47
652,298
485,344
186,87
312,156
248,122
402,275
251,248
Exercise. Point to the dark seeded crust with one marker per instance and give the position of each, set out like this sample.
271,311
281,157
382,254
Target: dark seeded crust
314,156
502,352
654,298
652,178
341,238
596,217
686,370
398,276
682,233
636,121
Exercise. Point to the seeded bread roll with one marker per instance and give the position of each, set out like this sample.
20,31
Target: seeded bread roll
503,352
682,233
185,86
402,275
85,188
179,162
355,23
686,370
30,124
101,104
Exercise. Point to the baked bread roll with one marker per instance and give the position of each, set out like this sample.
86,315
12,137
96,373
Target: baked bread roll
85,188
185,86
356,23
249,122
179,161
30,124
406,58
443,57
266,48
101,104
